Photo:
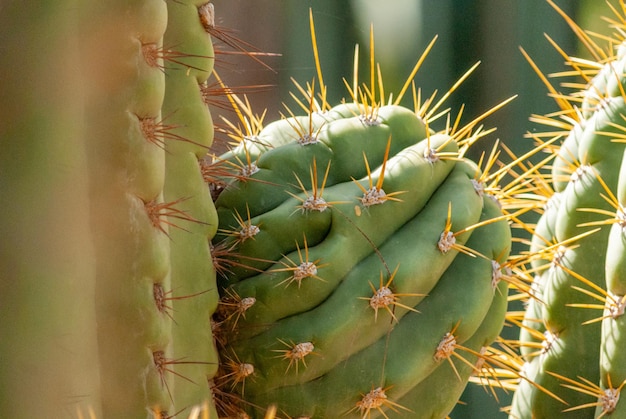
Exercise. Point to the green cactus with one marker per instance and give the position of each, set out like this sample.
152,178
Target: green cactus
360,254
571,333
108,285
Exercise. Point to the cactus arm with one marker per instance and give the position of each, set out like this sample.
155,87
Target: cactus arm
612,355
565,323
192,274
584,175
351,314
123,92
431,323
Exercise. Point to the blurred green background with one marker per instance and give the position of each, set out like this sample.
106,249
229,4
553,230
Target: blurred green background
489,31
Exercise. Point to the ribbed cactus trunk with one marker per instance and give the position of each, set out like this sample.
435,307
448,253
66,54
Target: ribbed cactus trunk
107,280
572,336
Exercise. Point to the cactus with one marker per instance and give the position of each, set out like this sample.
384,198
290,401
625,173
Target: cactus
364,258
108,285
361,257
570,336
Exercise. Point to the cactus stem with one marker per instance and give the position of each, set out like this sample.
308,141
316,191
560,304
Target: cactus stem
160,362
553,250
496,274
538,337
446,346
486,375
549,340
516,369
512,271
214,172
227,402
433,155
616,216
484,171
502,366
247,169
616,305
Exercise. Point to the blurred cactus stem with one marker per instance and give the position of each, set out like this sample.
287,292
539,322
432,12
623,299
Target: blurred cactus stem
48,344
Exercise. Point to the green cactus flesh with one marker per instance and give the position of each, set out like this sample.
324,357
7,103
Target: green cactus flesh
359,255
572,334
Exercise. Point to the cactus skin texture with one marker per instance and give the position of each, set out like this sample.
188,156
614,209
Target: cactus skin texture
110,310
339,297
575,317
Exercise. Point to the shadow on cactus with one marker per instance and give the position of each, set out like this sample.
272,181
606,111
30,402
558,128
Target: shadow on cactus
363,258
